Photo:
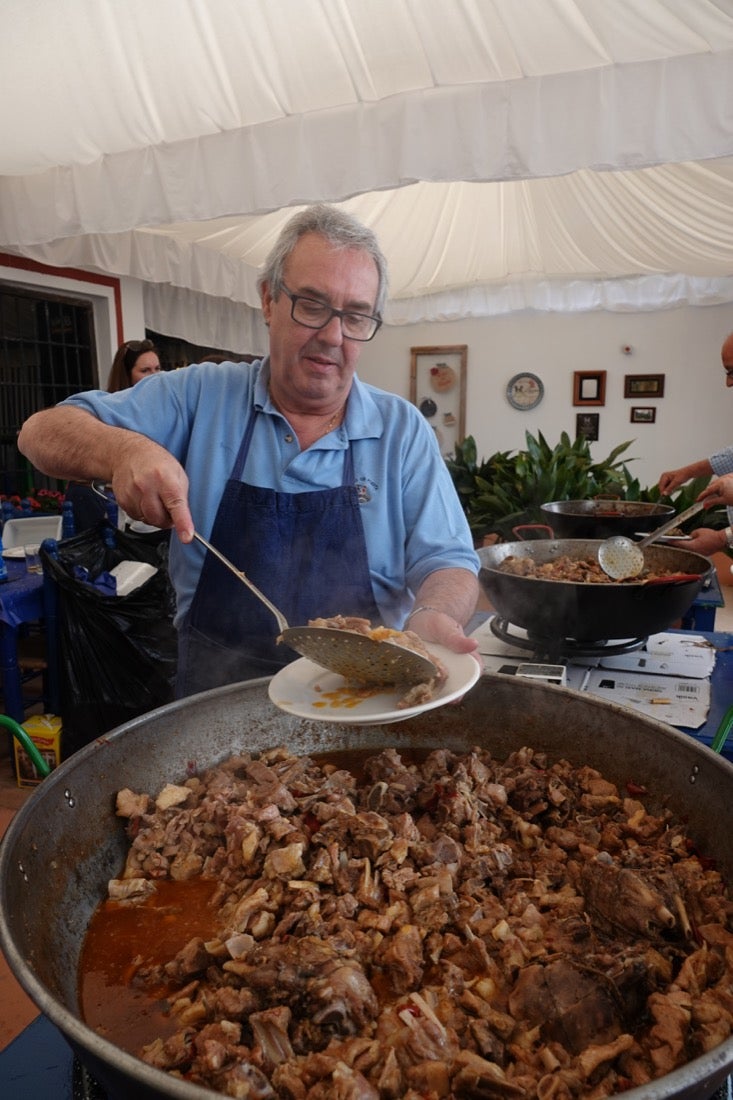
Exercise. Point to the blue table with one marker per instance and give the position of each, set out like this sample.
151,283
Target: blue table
25,598
701,614
721,689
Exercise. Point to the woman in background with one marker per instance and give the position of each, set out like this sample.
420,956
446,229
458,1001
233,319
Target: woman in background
134,360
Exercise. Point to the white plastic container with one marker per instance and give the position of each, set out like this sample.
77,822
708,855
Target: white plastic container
131,574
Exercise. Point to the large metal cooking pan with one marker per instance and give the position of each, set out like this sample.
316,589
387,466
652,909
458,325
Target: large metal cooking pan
66,842
589,612
600,519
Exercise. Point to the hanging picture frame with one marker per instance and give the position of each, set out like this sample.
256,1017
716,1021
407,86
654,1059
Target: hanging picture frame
644,385
438,388
589,387
643,414
587,425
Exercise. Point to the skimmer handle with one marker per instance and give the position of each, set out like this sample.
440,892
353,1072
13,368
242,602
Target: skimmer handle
282,622
671,523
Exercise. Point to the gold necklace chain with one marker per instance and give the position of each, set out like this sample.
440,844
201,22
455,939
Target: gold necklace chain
334,422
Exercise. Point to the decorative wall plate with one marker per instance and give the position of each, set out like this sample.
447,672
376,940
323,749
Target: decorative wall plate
525,391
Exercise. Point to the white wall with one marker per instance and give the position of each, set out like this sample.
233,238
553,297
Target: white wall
694,418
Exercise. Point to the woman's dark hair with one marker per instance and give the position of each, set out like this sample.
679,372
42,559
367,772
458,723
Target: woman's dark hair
127,355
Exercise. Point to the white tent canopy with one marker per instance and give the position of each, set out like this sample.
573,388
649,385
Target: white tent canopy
510,154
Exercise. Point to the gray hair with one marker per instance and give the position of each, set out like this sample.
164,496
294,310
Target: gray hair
340,229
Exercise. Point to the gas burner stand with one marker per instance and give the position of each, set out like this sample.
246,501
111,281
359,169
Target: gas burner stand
553,649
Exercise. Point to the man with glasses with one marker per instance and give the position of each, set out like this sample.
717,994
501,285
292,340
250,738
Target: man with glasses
331,495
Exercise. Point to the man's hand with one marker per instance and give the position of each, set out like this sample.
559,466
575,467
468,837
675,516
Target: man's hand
719,491
704,541
672,479
437,626
444,602
151,485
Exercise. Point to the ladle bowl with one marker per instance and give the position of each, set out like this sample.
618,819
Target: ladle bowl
620,558
356,657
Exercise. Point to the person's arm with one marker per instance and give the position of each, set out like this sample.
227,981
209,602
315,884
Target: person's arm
444,603
148,482
672,479
706,540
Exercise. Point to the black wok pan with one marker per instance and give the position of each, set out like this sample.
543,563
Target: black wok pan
65,843
590,612
600,519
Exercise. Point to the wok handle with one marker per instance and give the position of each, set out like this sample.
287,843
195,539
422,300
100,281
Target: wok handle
674,578
517,531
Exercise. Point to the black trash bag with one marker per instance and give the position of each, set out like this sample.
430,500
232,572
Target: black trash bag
117,654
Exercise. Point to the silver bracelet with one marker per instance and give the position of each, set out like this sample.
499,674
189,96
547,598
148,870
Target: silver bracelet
423,607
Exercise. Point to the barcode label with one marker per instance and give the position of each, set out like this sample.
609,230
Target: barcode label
688,689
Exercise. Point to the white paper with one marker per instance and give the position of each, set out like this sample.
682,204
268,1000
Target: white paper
668,678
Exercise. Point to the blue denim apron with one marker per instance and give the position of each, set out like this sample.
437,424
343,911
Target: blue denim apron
305,551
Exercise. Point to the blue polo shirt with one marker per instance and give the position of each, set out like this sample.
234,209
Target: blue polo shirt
413,520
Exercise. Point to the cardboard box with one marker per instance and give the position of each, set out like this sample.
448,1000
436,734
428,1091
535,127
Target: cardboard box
45,732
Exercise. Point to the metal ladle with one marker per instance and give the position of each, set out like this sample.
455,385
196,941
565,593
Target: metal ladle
352,655
619,557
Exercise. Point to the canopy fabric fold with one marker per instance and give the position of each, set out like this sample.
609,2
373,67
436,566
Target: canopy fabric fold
504,152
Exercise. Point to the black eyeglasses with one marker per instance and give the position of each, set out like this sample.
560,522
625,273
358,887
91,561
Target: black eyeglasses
311,313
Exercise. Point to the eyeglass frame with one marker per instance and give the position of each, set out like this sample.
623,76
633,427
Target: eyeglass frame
340,313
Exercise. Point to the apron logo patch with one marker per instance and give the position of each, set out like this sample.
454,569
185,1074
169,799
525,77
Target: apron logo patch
365,490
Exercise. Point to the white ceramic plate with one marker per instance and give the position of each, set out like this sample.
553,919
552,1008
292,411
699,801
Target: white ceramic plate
310,691
15,553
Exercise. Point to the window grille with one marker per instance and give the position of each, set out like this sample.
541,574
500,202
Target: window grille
47,352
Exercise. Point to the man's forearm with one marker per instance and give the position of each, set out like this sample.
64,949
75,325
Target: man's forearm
149,483
70,443
453,592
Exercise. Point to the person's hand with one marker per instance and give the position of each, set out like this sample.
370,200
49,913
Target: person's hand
704,541
437,626
671,480
152,486
719,491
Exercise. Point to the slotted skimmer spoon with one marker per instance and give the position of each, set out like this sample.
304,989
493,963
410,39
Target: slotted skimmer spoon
354,656
620,557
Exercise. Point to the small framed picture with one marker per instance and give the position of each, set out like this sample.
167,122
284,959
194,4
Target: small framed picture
644,385
643,414
586,425
589,387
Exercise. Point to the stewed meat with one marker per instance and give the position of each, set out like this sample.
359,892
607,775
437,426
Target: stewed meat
452,927
574,570
414,695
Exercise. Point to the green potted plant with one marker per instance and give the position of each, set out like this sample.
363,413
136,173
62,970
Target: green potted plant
507,489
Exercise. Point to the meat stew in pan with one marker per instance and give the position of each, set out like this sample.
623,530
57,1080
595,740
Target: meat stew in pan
575,570
450,925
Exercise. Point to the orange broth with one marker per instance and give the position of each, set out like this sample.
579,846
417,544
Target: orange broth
123,938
